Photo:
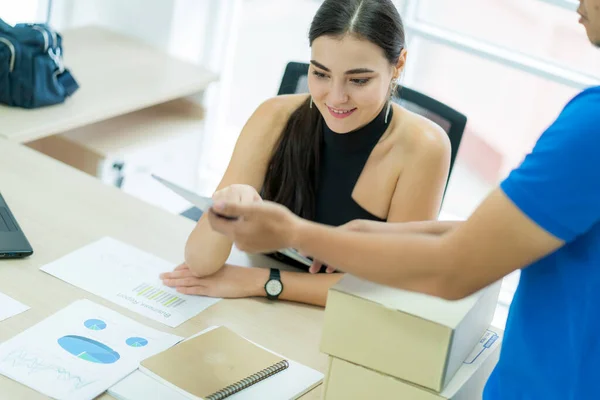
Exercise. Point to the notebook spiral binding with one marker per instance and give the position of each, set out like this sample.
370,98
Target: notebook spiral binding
249,381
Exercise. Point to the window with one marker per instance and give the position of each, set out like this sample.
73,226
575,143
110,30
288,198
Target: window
530,27
13,12
507,110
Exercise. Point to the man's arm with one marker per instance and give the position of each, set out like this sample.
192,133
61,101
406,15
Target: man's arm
496,240
424,227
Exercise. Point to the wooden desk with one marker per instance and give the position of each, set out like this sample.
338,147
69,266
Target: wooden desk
61,209
117,75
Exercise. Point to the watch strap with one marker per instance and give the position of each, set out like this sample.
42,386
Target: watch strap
274,275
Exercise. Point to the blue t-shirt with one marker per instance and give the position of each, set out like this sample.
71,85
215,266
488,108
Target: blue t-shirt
551,347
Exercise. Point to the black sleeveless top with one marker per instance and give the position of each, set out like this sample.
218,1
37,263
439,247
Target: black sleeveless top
343,157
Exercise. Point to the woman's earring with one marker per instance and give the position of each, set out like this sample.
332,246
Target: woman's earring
393,86
310,101
387,113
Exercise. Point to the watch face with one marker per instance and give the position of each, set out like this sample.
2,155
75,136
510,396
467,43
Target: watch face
274,287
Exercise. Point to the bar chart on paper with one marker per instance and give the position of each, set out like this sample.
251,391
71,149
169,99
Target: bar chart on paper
128,277
158,295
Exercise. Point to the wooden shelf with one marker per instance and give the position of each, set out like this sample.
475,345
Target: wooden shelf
89,147
117,75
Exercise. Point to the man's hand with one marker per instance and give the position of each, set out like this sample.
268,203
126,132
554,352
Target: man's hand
237,193
260,226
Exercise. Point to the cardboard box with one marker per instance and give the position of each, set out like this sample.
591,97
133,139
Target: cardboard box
414,337
347,381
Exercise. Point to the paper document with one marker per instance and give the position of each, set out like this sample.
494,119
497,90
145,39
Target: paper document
129,277
10,307
80,351
205,203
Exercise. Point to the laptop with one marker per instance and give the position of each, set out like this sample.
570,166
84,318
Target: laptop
205,203
13,243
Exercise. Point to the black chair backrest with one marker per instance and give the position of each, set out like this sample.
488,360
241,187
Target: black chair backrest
295,80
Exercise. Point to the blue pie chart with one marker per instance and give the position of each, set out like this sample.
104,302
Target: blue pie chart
88,349
95,324
136,342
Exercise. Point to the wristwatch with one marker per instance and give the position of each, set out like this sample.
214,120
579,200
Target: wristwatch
274,287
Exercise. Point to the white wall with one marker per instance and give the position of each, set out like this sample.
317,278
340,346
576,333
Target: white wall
176,26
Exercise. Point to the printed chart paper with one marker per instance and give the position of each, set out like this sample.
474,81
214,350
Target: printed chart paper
10,307
128,277
80,351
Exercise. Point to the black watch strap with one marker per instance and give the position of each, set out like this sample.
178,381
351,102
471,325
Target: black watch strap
274,282
275,274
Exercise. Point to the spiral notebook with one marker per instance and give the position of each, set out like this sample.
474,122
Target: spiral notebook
217,364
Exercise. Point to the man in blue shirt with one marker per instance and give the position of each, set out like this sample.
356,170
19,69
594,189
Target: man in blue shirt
544,219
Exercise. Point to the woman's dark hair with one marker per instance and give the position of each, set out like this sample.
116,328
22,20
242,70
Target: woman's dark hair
293,170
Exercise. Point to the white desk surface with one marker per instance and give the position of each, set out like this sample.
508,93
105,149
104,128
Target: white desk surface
116,74
61,209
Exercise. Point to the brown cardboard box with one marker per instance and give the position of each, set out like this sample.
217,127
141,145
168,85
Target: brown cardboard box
414,337
348,381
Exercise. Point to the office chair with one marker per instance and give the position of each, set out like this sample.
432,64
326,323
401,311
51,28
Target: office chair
295,80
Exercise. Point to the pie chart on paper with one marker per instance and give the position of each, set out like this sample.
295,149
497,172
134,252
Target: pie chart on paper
95,324
88,349
136,342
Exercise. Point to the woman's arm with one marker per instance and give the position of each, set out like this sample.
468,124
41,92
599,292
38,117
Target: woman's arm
206,250
426,162
307,288
232,281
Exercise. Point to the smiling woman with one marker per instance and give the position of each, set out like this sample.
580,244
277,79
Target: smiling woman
340,154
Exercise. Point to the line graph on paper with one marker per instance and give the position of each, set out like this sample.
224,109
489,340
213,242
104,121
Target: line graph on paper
35,364
158,295
80,351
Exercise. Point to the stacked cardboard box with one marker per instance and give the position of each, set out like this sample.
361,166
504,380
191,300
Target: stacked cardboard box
391,339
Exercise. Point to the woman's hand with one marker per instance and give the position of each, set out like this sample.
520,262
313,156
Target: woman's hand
260,226
228,282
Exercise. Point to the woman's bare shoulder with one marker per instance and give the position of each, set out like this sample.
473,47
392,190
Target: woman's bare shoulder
280,108
271,116
416,134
